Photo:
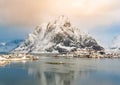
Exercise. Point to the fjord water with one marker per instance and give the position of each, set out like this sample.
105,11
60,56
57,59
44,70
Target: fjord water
72,71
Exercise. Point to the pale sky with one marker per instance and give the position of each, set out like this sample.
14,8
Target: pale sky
101,18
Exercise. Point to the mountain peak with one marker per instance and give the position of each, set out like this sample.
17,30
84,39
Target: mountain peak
62,21
58,35
62,18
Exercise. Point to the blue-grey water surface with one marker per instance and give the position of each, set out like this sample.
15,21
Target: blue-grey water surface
74,71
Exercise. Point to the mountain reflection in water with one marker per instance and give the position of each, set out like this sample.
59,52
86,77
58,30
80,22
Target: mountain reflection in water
74,71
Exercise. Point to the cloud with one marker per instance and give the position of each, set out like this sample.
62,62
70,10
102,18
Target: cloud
23,12
84,13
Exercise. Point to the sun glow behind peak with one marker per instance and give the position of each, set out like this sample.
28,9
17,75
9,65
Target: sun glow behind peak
29,12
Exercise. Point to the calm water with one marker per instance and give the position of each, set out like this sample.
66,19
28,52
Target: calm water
75,71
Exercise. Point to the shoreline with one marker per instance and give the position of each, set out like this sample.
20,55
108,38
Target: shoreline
20,57
6,59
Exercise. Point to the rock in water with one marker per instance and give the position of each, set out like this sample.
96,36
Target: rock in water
57,36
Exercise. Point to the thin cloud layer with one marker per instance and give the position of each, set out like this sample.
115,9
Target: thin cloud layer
84,13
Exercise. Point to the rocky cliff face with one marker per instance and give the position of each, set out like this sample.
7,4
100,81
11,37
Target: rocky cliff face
57,36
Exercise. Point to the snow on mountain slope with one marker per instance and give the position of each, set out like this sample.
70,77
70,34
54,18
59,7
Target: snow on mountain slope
116,42
57,36
6,47
115,48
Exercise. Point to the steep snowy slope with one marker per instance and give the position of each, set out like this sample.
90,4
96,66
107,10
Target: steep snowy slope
57,36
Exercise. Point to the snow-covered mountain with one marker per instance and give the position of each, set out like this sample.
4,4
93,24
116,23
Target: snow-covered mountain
6,47
116,42
57,36
115,47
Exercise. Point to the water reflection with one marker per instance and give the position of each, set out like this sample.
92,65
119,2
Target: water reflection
72,72
58,74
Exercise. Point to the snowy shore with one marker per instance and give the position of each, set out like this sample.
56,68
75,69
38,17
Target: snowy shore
6,59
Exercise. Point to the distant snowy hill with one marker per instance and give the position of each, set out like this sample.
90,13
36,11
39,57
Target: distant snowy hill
57,36
116,45
116,42
6,47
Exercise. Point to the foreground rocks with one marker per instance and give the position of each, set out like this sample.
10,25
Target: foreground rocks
3,63
6,59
